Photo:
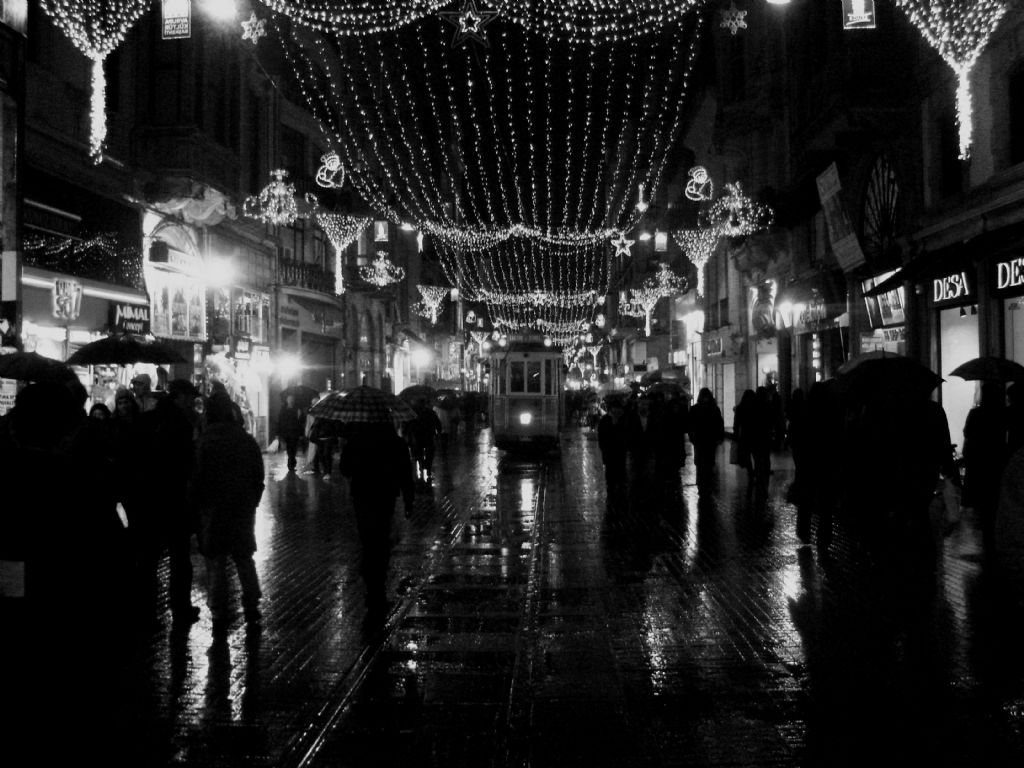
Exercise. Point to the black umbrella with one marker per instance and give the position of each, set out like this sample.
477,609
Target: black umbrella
303,395
31,366
989,369
125,350
875,374
418,392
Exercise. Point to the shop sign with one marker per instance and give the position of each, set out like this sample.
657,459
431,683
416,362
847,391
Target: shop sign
176,17
713,346
858,14
951,288
243,349
180,261
1010,274
8,392
67,299
130,318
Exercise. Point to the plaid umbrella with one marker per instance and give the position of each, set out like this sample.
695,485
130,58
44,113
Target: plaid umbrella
31,366
362,405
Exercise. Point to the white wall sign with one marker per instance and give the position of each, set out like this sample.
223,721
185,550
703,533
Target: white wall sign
176,18
858,14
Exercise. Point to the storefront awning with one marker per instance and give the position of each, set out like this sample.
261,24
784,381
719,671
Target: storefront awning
924,267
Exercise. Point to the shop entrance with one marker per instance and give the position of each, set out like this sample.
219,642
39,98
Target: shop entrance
958,343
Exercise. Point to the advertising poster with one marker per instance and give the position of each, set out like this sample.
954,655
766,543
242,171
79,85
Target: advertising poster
179,309
844,241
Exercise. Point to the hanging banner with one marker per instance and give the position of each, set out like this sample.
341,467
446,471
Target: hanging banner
844,241
858,14
176,16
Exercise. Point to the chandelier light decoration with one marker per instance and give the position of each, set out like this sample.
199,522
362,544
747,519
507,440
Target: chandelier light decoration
483,147
698,245
431,299
736,215
96,28
382,272
959,30
341,230
275,203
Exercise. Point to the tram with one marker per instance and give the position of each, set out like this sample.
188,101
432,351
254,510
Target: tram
525,394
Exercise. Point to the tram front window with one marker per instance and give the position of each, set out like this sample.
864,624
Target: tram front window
533,376
517,377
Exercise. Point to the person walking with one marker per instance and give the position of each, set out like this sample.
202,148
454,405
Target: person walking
376,462
746,431
985,456
611,439
226,489
142,389
423,434
641,440
707,431
290,427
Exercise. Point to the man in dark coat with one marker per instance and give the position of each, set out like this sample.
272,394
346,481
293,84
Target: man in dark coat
226,489
291,424
376,462
611,439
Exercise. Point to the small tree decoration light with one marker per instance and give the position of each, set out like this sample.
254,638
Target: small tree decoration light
431,299
698,245
381,272
96,28
644,299
735,215
959,30
341,230
275,203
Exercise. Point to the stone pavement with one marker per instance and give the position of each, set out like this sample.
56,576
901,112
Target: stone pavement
538,623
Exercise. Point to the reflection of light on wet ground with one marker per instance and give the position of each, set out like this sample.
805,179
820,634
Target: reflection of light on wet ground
655,639
527,494
692,520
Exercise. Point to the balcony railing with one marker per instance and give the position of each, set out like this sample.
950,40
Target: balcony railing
309,276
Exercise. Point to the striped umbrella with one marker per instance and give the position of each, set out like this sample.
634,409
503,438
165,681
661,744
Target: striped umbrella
362,405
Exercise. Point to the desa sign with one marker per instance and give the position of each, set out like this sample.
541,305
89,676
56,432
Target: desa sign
950,288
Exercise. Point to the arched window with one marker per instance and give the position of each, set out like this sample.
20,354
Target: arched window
880,208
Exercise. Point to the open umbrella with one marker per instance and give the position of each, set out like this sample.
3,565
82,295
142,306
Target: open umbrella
669,389
989,369
418,392
31,366
303,395
125,350
363,405
876,374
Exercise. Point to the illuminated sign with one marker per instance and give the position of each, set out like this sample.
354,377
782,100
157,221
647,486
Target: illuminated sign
951,288
67,299
171,258
858,14
176,16
130,318
1010,274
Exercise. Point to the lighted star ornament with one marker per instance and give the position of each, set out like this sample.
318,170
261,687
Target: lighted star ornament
733,19
622,245
470,22
253,29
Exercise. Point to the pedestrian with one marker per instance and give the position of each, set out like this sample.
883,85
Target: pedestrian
444,409
376,462
1014,418
707,431
128,452
226,488
984,454
290,427
641,441
172,461
423,434
611,439
797,441
142,389
99,411
670,440
747,432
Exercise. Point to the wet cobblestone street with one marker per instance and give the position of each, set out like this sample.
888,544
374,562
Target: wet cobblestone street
535,622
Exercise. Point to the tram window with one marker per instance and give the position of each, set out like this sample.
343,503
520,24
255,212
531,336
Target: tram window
533,376
517,376
500,380
549,377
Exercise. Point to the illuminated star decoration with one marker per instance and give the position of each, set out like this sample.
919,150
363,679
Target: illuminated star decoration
622,245
470,22
733,19
253,29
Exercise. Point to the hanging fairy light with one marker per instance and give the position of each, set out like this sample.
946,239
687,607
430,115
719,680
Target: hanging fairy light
641,204
96,29
959,30
275,203
698,245
341,230
382,272
431,299
735,215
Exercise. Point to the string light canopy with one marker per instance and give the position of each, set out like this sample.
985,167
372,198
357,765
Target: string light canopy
382,272
431,299
467,144
736,215
341,230
959,30
96,28
364,17
698,245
